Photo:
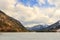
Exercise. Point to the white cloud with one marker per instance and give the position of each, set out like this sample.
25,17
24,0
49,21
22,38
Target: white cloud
41,1
6,4
36,14
57,14
30,16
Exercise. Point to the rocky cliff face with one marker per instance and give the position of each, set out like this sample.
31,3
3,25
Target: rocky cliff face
9,24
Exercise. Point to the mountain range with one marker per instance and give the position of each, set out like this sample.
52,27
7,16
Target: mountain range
9,24
46,28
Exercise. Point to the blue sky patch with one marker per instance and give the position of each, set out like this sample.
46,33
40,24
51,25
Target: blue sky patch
30,3
33,3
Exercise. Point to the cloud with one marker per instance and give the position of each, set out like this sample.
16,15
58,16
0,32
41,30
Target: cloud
34,15
40,15
4,4
30,16
57,14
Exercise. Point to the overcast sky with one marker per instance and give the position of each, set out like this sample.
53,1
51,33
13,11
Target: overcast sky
32,12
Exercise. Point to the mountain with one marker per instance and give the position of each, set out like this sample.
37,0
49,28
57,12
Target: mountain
37,27
52,28
9,24
46,28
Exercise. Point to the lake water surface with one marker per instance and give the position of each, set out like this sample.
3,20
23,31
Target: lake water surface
30,36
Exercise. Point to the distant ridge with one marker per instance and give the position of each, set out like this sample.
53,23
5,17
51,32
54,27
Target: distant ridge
52,28
46,28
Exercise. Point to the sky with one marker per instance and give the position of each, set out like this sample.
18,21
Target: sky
32,12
